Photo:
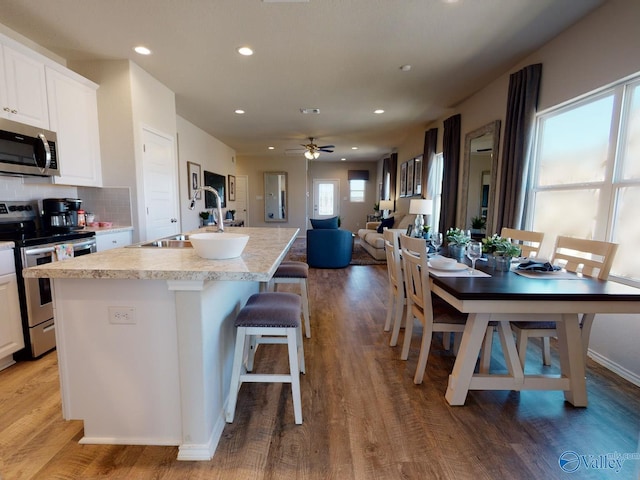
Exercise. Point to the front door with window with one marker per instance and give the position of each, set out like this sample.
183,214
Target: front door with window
326,198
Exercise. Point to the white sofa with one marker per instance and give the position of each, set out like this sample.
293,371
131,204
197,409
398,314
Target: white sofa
373,242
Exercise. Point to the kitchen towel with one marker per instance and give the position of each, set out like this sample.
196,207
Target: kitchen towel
63,251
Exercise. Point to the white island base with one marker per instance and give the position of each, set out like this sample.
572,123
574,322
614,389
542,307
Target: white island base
148,362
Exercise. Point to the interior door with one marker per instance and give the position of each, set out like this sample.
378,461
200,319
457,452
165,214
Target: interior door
326,198
242,200
160,185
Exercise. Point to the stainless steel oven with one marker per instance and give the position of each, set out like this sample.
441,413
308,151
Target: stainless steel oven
35,245
38,291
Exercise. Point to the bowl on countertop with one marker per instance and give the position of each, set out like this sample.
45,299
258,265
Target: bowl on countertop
105,224
218,246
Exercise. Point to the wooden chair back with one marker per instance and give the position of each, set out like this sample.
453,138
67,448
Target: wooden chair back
592,258
392,251
416,277
528,241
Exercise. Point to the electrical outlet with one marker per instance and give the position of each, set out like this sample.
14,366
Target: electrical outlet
122,315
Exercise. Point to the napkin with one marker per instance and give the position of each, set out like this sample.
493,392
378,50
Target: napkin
63,251
538,265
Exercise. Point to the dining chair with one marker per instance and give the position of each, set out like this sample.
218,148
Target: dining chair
591,258
397,296
419,303
528,241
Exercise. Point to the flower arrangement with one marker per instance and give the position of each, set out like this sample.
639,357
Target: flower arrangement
455,236
500,246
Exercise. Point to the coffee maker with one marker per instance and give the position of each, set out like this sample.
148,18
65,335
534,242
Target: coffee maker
61,214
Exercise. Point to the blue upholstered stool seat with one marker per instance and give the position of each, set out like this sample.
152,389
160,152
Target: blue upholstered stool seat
268,318
297,273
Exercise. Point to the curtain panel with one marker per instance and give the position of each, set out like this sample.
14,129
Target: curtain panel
522,103
429,152
451,158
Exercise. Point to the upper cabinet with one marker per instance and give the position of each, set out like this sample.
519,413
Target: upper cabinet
23,88
73,115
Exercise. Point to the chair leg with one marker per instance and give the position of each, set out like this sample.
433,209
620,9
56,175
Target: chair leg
238,362
408,332
294,368
390,310
425,346
546,351
485,359
521,343
397,321
301,351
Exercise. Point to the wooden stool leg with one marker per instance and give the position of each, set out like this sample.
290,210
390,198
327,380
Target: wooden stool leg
292,334
238,361
305,307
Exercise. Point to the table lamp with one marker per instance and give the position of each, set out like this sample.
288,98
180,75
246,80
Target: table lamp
386,206
420,207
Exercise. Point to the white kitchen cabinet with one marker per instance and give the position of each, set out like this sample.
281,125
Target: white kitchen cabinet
11,339
107,241
73,114
23,88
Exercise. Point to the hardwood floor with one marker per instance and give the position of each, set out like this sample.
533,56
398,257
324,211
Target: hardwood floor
363,416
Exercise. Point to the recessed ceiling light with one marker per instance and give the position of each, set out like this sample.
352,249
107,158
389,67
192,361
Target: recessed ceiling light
405,68
343,159
354,148
239,111
246,51
142,50
378,111
271,148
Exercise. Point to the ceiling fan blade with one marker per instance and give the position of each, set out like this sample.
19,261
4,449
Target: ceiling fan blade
325,150
326,146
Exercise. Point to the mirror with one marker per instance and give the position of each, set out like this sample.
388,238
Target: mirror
479,175
275,196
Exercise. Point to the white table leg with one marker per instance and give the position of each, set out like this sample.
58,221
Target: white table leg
572,358
472,338
511,353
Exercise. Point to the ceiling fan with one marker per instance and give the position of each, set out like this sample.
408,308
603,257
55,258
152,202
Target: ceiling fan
311,150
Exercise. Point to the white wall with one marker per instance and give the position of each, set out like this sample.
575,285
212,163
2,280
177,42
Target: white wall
197,146
598,50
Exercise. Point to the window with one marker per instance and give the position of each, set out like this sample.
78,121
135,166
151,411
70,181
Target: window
356,190
434,189
586,172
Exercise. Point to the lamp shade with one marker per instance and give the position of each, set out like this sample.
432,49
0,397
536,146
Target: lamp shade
386,204
420,206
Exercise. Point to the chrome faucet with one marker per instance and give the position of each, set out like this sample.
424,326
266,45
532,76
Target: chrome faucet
215,192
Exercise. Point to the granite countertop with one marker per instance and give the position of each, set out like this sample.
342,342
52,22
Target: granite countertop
6,245
107,230
264,251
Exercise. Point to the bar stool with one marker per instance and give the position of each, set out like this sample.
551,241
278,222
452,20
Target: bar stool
269,318
295,272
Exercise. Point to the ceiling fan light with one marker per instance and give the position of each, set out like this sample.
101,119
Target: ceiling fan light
308,154
316,155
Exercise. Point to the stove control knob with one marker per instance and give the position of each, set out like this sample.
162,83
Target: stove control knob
28,208
12,208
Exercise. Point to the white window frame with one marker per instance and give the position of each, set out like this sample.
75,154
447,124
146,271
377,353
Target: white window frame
610,186
352,190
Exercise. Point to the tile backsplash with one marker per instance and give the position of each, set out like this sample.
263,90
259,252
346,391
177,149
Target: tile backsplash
110,204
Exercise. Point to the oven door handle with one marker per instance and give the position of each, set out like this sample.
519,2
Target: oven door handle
83,245
51,249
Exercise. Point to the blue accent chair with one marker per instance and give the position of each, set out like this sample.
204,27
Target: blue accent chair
329,248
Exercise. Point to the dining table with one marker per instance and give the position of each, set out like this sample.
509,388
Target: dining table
488,295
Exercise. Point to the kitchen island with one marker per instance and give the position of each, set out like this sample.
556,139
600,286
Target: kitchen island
145,338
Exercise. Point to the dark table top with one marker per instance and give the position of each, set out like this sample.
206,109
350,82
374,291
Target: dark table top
511,286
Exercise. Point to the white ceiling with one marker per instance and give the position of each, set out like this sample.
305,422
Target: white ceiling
341,56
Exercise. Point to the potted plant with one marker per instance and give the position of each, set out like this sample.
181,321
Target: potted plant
457,241
478,224
505,251
489,246
230,215
205,217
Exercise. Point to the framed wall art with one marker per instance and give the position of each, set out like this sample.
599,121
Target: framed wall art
410,177
232,188
194,179
417,175
403,179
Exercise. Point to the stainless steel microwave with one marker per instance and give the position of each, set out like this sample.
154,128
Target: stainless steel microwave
27,150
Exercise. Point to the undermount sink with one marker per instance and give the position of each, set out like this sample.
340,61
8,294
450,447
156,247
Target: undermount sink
174,241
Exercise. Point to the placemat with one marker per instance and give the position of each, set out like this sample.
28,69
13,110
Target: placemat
559,275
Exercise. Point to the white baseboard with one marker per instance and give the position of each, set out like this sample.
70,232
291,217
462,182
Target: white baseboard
615,368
